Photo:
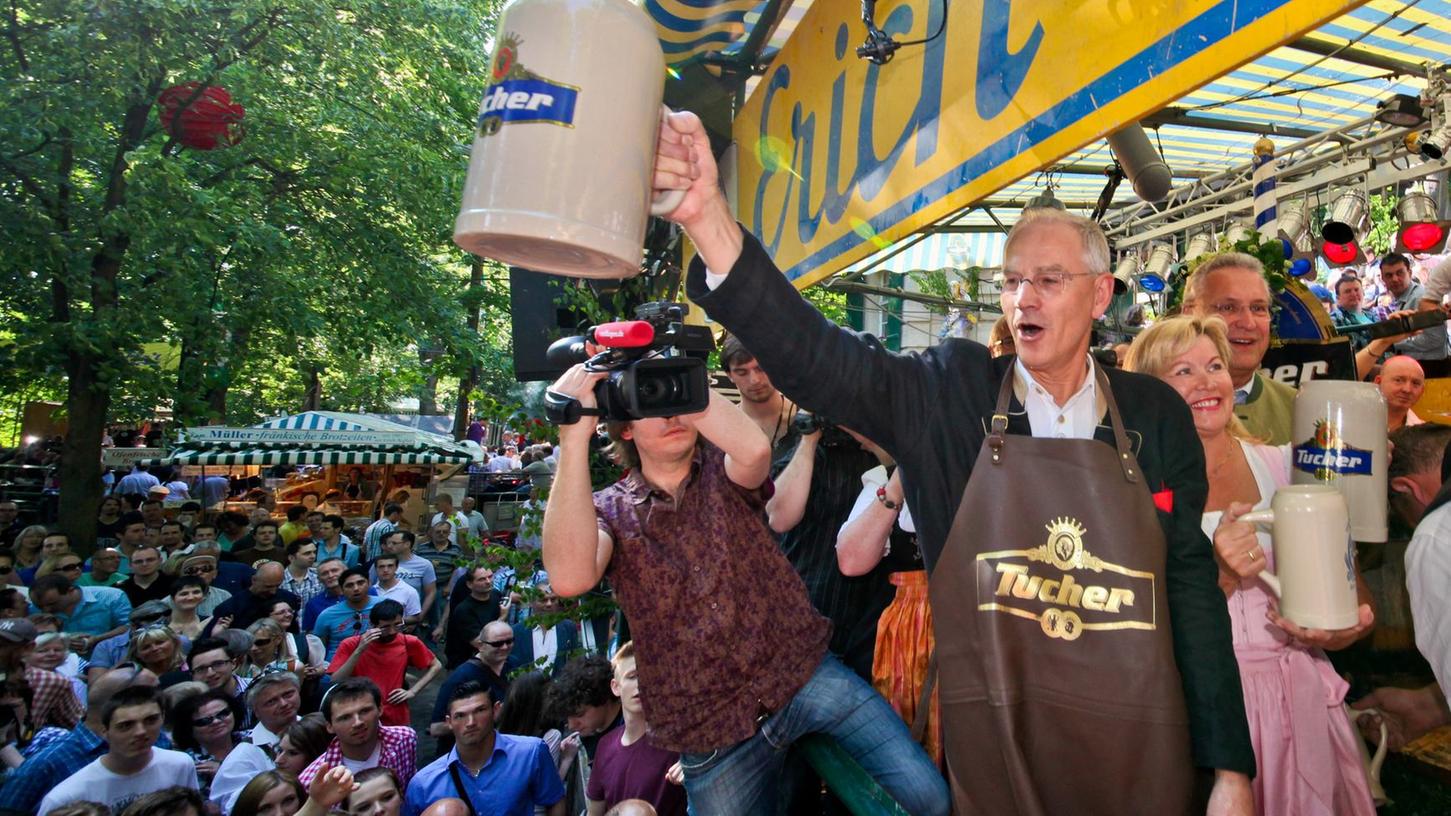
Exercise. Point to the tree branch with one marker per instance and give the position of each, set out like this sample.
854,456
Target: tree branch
12,33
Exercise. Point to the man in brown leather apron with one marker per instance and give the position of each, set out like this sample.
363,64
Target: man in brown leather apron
1085,662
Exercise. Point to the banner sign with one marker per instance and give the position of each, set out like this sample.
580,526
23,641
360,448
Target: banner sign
840,158
125,457
300,436
1296,363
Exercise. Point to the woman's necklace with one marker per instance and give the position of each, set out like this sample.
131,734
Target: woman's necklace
1222,461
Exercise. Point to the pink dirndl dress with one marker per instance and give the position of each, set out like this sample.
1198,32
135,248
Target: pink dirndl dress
1305,747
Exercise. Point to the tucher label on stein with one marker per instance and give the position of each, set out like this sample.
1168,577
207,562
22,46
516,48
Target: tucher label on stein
516,95
1326,455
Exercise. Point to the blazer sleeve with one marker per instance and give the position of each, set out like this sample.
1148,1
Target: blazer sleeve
1198,614
806,355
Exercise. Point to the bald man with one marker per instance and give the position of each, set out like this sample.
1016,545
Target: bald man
256,601
629,807
1401,381
495,643
448,807
27,784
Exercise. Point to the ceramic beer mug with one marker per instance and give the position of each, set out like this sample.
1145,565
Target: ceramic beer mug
560,173
1314,574
1339,433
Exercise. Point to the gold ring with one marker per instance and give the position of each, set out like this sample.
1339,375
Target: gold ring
1252,556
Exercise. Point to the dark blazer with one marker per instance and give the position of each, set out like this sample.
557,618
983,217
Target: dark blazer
931,411
567,634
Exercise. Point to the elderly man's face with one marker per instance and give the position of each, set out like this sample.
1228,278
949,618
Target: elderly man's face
1051,328
1396,277
329,573
496,641
1401,382
1241,297
267,581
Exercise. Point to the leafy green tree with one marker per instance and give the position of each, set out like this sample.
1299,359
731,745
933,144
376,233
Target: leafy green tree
309,258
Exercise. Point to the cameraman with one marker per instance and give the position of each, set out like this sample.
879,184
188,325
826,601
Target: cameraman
726,635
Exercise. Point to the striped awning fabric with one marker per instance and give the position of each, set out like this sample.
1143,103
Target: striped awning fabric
317,421
301,456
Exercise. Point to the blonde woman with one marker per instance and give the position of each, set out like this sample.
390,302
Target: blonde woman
158,649
1305,746
27,550
269,649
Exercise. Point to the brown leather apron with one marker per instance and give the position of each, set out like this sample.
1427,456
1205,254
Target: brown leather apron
1056,670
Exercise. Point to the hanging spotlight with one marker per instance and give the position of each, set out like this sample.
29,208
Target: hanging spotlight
1145,168
1342,254
1045,199
1421,232
1125,273
1348,209
1237,231
1200,244
1401,110
1157,267
1294,226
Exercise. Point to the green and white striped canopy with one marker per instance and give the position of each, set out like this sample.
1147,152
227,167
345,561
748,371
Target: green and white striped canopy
280,455
319,438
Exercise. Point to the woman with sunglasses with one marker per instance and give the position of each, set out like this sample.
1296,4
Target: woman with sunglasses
187,594
269,650
157,648
304,650
205,727
66,563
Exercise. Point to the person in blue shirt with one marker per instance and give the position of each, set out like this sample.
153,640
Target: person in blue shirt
89,614
497,774
349,617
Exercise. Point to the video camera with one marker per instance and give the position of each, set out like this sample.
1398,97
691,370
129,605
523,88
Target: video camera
656,366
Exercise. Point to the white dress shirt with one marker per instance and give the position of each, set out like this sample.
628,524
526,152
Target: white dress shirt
1428,573
1075,419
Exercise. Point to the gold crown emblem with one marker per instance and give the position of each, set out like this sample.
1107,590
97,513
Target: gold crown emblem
1065,543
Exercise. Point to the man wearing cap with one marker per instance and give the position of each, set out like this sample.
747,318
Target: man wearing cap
90,614
53,700
202,562
112,651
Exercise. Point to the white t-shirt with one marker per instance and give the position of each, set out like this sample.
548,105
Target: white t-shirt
241,766
356,765
404,594
94,783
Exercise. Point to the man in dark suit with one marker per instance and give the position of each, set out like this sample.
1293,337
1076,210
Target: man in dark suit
931,411
553,641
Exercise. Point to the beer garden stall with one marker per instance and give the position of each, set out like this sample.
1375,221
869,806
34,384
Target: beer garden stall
315,451
883,149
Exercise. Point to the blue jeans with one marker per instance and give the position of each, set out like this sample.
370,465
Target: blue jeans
741,779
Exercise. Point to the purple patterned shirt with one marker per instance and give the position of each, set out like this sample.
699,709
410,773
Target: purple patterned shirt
724,630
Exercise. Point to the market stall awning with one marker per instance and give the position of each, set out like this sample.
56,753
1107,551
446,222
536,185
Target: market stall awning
295,456
319,438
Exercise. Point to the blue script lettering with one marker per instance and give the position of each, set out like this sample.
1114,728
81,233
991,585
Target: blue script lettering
1000,72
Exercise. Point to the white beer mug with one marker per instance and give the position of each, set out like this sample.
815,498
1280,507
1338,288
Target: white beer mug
564,152
1314,556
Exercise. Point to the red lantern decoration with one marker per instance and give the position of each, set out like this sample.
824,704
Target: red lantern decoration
210,122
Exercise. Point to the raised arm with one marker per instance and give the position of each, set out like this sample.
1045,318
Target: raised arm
793,487
862,540
747,450
576,550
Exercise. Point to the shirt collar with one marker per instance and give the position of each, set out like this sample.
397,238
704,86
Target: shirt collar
1089,387
639,490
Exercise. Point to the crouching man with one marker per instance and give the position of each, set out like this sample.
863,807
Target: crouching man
732,656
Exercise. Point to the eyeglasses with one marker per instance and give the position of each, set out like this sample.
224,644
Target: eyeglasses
1048,284
200,570
6,569
262,642
203,722
499,644
69,567
1257,309
211,667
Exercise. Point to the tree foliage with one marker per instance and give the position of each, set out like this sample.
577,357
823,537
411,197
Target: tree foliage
305,264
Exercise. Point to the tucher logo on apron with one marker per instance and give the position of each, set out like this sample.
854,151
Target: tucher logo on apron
1064,587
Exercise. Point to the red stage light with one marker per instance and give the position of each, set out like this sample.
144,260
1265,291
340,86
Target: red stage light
1422,237
1340,254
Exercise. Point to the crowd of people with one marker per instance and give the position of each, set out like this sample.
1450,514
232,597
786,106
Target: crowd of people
963,567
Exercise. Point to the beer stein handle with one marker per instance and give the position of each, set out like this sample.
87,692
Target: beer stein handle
1264,517
665,201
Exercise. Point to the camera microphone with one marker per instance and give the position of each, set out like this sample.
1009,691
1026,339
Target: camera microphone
624,334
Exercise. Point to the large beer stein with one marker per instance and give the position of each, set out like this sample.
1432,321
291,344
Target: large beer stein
560,173
1314,575
1339,434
